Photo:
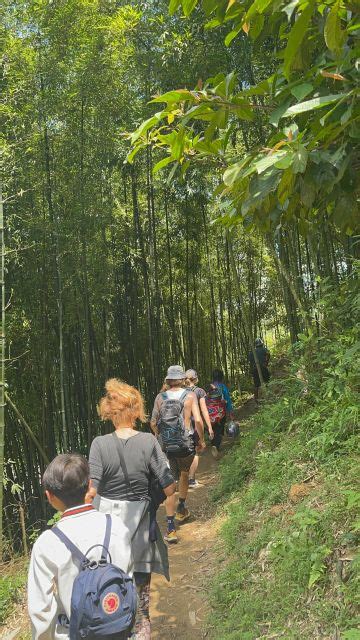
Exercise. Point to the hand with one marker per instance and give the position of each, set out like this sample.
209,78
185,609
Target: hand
201,446
91,493
211,434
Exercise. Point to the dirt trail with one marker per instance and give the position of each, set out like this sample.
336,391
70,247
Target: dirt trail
179,608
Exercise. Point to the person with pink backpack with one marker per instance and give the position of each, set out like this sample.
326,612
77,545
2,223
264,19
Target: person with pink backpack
219,406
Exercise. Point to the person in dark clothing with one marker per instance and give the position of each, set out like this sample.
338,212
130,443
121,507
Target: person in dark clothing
263,355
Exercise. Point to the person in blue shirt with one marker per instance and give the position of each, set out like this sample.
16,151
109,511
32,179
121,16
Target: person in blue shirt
218,381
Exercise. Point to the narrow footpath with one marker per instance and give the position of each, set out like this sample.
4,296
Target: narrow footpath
179,608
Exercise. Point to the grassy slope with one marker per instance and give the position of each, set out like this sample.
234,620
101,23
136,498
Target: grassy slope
291,569
12,580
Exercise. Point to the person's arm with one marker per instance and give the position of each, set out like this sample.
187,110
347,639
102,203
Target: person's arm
91,493
96,469
205,414
155,416
42,604
159,467
199,427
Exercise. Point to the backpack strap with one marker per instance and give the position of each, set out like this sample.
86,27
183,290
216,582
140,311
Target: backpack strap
183,396
106,542
70,545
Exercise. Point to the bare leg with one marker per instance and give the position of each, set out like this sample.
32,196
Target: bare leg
193,468
170,505
183,484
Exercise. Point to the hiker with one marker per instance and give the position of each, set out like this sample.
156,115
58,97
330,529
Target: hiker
171,421
191,383
53,567
219,405
263,355
122,464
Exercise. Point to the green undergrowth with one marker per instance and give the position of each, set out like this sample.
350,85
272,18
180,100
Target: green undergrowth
289,490
12,581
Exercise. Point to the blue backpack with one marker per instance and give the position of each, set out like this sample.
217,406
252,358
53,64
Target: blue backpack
103,599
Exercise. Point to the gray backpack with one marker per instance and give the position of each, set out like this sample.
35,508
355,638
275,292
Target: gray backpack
174,439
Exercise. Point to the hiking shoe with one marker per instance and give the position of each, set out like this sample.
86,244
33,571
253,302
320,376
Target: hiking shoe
193,484
171,537
214,453
181,516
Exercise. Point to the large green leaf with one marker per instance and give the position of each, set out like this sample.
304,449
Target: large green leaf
279,112
334,35
174,96
209,6
310,105
162,163
300,159
173,6
300,91
189,6
235,171
145,126
269,161
232,35
259,6
285,186
256,26
296,37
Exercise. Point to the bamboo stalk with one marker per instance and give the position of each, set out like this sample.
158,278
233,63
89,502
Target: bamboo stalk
2,368
28,429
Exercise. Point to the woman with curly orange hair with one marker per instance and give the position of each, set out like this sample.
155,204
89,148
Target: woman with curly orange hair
121,467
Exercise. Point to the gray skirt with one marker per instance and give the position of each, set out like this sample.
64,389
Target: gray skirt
148,557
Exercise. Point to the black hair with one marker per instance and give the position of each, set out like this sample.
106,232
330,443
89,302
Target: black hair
217,375
67,477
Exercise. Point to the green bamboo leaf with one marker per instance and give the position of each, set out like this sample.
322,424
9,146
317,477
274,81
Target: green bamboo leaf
334,35
296,37
310,105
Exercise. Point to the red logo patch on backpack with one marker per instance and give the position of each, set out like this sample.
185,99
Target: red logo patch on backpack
216,405
111,603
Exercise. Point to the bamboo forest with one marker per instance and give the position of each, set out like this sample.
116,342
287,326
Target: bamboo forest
180,183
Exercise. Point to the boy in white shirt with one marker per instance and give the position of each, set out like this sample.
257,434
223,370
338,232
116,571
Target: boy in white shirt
52,568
